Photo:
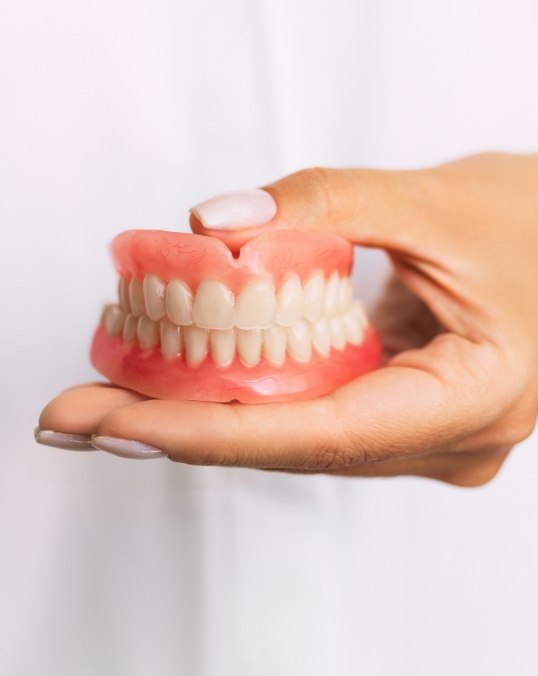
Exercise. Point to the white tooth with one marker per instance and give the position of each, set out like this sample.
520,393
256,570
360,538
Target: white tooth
345,295
195,340
330,301
321,336
148,333
136,297
274,345
222,346
313,297
249,346
358,310
338,333
255,306
300,341
213,305
353,328
179,302
154,290
130,328
113,319
171,343
123,294
290,302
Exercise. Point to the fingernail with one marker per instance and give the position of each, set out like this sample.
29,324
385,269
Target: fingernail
236,210
127,448
71,442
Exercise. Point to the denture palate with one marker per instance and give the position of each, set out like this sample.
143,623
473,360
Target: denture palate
259,321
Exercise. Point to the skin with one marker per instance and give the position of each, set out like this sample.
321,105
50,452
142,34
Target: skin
459,325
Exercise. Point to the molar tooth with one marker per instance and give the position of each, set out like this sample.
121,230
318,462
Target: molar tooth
148,333
123,294
338,334
130,328
353,328
345,295
136,297
113,319
330,300
222,344
274,345
249,346
313,292
300,341
195,340
154,289
255,306
213,305
290,302
321,336
171,342
179,302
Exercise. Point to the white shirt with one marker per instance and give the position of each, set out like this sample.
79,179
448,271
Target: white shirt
121,114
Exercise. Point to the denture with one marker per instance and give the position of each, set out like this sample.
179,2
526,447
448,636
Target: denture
276,322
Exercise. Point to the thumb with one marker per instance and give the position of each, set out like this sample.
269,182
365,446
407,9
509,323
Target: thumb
369,207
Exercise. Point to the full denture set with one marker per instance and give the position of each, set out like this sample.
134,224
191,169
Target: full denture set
278,322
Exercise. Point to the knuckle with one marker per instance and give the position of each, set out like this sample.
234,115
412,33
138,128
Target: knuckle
476,474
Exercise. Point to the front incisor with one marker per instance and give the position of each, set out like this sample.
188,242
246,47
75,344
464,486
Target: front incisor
290,302
249,346
222,343
213,305
255,306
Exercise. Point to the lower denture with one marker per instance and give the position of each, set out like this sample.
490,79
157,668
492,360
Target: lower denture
277,323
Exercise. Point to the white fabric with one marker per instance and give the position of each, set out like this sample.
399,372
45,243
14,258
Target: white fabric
118,114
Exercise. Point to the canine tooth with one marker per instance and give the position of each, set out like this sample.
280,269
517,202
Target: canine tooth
130,328
274,345
290,302
313,297
148,333
249,346
345,295
321,336
213,305
358,310
136,297
330,300
255,306
353,328
338,333
178,302
300,341
195,340
113,320
123,294
171,342
222,344
154,289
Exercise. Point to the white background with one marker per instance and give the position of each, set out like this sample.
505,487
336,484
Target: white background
117,114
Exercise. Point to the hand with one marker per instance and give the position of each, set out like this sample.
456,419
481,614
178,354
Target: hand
459,325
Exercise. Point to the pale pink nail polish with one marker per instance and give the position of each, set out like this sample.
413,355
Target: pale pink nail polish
71,442
236,210
127,448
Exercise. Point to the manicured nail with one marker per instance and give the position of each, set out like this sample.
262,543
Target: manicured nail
72,442
236,210
127,448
